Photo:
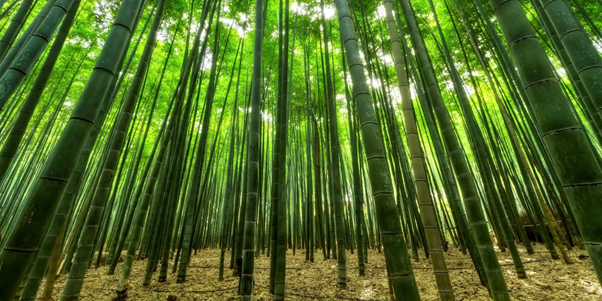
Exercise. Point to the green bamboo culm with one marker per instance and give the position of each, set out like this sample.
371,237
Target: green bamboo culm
495,278
396,253
25,37
11,145
425,200
69,197
583,54
450,183
335,157
146,191
32,50
142,209
193,193
357,183
14,27
484,159
229,196
13,141
278,194
23,242
253,169
563,135
86,242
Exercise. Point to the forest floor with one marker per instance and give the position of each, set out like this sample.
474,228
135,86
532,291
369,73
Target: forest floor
547,279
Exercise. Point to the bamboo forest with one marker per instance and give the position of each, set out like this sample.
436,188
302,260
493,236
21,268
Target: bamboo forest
301,150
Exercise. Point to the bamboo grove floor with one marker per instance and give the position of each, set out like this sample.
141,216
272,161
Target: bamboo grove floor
548,279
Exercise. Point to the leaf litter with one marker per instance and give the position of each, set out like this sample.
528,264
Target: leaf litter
547,279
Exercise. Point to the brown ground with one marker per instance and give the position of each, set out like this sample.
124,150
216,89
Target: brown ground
548,279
